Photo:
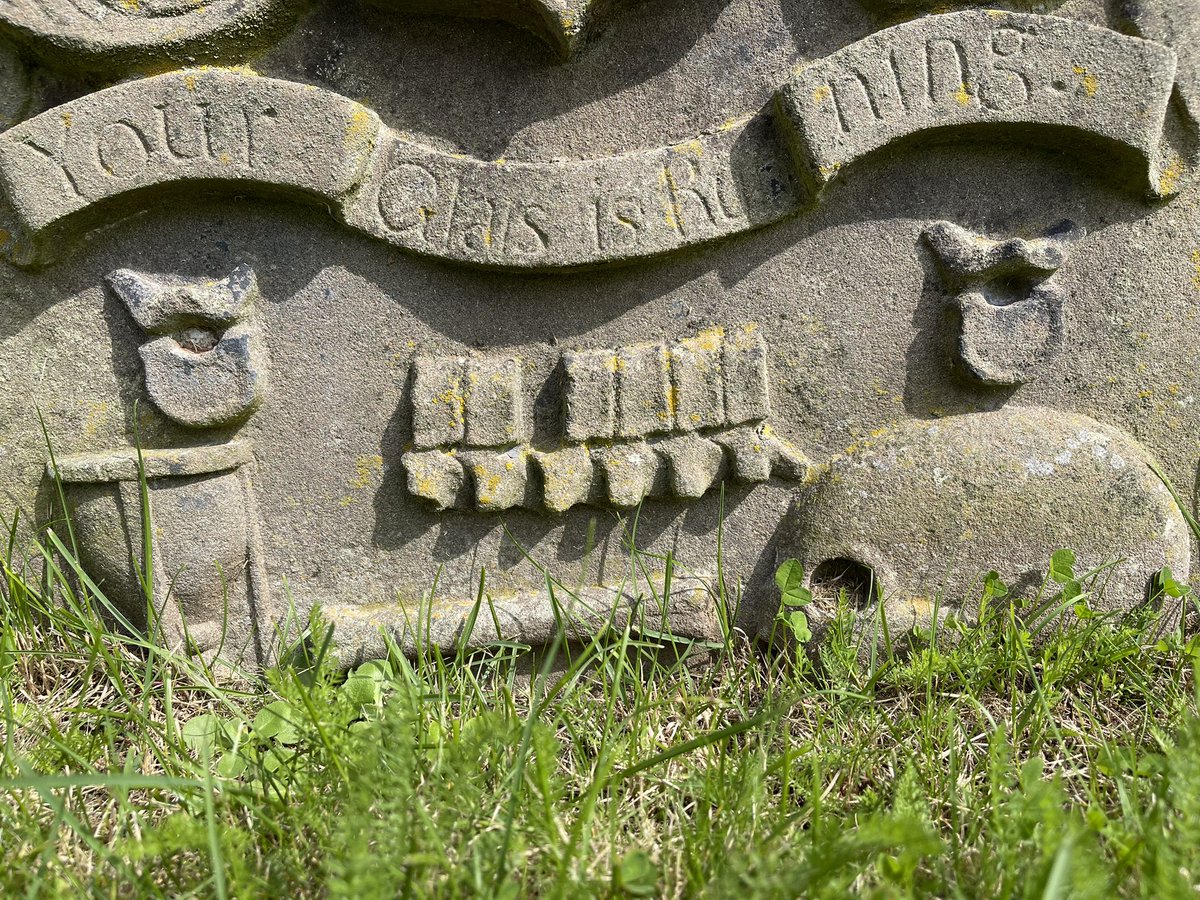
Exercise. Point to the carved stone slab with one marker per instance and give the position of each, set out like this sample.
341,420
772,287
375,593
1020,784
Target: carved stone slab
403,309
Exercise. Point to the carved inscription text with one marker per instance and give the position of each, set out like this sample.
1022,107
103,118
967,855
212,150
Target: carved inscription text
977,68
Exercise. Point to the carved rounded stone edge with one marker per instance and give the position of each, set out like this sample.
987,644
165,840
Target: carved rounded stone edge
111,151
685,608
127,465
145,35
564,25
150,34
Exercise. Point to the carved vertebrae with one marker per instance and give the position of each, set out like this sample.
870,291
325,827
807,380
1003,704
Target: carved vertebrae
640,421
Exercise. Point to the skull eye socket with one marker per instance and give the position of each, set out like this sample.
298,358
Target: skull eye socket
197,340
835,576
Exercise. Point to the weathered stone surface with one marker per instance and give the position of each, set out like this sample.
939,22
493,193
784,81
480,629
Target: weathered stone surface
696,378
494,416
930,506
1010,306
438,477
210,367
206,578
982,68
1175,23
563,24
574,213
744,367
963,255
500,479
643,391
439,401
695,465
591,394
630,472
567,477
192,127
685,610
415,224
162,305
211,386
144,33
14,86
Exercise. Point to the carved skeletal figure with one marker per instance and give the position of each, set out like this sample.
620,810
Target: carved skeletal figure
208,367
1011,306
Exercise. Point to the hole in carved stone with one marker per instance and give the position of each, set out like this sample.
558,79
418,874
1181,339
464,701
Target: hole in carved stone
834,576
1008,290
197,340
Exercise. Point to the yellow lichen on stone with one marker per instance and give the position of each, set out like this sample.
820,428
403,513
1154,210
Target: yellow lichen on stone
821,94
1090,82
359,128
962,96
1168,181
365,466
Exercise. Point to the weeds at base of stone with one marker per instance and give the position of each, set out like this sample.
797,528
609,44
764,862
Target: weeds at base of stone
1002,762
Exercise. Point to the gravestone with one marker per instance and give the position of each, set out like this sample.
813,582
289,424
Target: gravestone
598,310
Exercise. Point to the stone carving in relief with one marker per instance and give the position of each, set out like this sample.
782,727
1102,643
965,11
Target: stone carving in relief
983,67
648,420
927,506
967,72
207,574
207,365
131,33
565,25
1010,303
1175,23
142,33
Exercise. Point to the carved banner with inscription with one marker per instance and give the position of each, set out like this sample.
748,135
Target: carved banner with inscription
218,128
983,69
939,74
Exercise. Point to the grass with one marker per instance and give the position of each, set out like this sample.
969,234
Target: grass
1025,755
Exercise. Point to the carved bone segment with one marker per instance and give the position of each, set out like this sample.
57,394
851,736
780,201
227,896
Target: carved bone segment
1010,306
208,389
166,304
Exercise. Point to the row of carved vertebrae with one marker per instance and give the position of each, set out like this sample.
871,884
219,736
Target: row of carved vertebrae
639,421
686,466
